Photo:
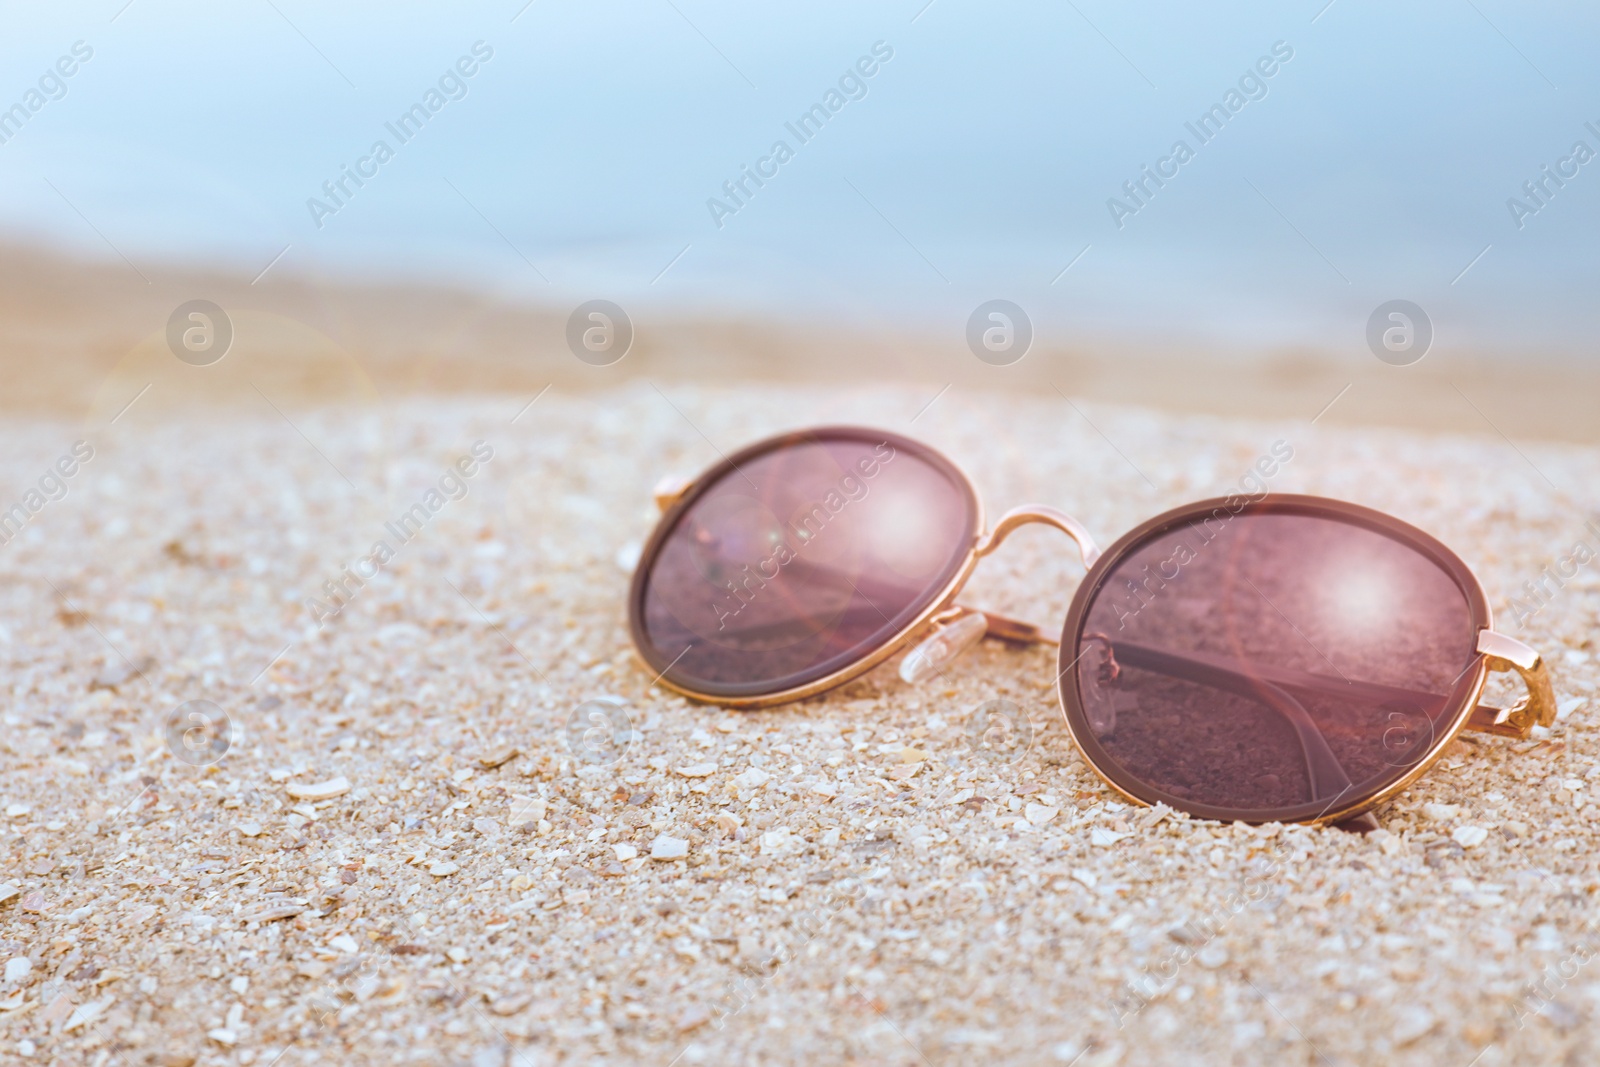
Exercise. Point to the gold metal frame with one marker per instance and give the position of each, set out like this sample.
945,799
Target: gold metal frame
1499,652
672,492
1537,708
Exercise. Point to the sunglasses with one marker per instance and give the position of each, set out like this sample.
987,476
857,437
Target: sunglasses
1261,658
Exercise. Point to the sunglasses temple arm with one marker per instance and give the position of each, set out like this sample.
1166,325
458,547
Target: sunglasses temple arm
1012,631
1328,776
1538,708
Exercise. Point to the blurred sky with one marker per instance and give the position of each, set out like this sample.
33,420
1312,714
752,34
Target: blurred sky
977,166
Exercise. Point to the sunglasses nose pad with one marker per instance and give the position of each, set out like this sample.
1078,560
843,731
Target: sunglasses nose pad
1099,673
942,649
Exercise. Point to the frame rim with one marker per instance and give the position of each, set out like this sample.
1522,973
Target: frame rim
1277,503
942,595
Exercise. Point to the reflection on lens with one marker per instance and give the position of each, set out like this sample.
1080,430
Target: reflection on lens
801,560
1261,662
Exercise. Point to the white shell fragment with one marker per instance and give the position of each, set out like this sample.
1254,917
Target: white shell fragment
333,787
1039,814
668,848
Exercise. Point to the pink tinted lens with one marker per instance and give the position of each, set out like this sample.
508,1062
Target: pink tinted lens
800,561
1263,665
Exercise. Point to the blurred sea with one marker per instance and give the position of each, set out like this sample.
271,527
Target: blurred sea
580,160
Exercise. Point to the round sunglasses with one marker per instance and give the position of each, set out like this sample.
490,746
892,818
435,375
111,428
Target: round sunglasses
1267,658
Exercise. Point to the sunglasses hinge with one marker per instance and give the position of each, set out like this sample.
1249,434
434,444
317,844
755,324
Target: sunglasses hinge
1503,654
669,491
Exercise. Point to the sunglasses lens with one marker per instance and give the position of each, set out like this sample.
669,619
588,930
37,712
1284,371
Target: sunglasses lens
799,561
1265,665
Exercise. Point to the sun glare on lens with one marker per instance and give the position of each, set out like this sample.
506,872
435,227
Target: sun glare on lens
902,529
1362,597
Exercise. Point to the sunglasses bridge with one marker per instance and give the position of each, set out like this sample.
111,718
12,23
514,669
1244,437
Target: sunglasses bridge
959,627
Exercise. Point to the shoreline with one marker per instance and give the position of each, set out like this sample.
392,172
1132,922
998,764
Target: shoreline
70,331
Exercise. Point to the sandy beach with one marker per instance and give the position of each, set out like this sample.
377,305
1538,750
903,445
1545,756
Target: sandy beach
69,328
411,853
348,362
